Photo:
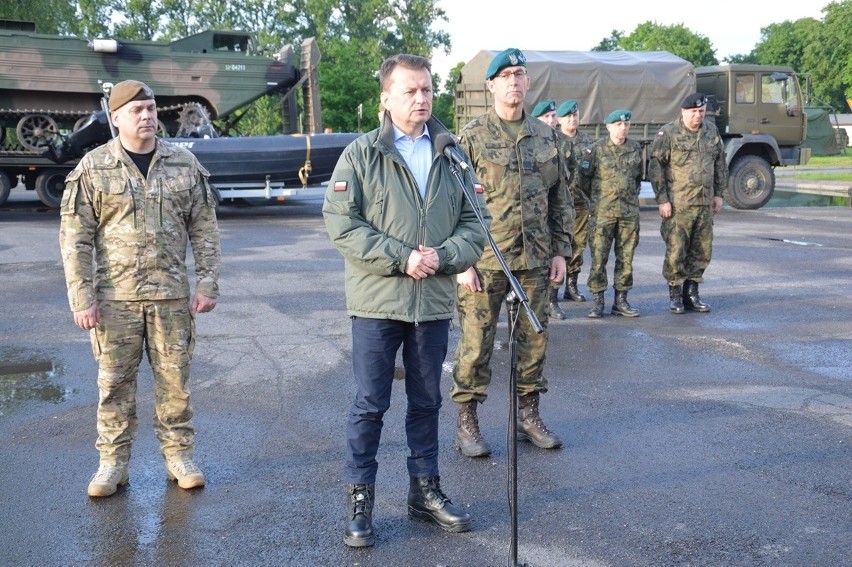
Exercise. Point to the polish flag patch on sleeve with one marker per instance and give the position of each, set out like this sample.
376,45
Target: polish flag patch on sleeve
477,187
340,186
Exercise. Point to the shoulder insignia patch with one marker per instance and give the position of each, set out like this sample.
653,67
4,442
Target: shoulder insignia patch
341,186
661,133
477,187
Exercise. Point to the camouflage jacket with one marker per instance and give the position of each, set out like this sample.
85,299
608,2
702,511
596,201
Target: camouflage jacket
688,168
613,176
525,188
376,217
136,230
573,148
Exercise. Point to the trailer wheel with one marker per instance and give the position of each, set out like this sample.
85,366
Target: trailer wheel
5,187
49,187
751,183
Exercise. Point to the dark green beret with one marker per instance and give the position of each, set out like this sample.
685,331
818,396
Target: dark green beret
568,107
544,107
695,100
621,115
508,58
127,91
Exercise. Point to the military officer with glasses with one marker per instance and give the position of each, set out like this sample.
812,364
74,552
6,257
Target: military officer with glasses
524,177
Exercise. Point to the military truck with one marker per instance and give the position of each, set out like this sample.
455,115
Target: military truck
50,85
758,109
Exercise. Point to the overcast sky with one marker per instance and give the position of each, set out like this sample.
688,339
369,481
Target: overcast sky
732,26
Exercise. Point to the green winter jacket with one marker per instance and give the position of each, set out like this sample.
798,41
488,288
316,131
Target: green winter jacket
375,217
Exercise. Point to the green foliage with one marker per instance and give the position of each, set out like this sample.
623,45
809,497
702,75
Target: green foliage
820,49
50,16
677,39
611,43
444,103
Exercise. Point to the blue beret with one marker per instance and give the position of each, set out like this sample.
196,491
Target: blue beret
568,107
544,107
621,115
695,100
508,58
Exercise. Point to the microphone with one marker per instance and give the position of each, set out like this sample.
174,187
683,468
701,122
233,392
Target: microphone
446,144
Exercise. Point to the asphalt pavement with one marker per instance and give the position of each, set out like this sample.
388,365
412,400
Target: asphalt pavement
718,439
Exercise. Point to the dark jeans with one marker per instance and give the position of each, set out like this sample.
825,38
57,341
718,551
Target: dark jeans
375,343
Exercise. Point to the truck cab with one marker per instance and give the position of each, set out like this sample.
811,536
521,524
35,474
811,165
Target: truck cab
759,112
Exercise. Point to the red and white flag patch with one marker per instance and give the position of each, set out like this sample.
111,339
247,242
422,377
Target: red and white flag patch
477,187
341,186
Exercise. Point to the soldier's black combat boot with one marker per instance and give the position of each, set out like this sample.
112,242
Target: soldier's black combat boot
556,311
571,291
468,437
428,503
359,516
676,297
530,425
597,306
691,300
621,307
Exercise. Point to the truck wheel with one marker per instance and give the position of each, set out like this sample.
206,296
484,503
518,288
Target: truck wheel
751,183
5,187
49,187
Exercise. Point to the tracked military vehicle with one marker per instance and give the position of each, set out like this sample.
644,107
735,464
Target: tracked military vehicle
50,85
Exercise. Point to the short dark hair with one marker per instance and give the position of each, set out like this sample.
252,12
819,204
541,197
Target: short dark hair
414,62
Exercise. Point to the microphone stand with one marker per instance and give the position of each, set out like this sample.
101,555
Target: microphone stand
514,299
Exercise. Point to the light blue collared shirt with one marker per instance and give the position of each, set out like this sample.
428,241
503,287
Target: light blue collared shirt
417,153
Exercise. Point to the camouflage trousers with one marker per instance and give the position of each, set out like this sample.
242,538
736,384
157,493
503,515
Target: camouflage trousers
623,234
478,316
579,240
688,235
166,330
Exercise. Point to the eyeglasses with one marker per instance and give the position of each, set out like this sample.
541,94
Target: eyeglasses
506,75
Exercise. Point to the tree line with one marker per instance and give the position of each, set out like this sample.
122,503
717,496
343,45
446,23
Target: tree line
354,36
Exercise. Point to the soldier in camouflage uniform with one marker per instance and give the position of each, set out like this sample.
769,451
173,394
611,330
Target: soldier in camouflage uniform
574,141
523,174
545,111
128,210
612,167
689,175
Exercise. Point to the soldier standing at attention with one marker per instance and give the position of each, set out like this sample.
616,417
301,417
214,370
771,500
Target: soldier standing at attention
613,169
689,175
128,210
546,112
404,228
574,141
517,160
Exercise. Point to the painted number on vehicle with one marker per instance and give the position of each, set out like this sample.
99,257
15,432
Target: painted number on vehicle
235,67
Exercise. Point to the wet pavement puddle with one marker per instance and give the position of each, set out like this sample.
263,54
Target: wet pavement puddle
26,378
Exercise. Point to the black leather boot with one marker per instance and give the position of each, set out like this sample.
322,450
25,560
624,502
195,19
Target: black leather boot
571,291
676,299
621,307
598,305
530,425
691,300
468,437
359,516
555,310
428,503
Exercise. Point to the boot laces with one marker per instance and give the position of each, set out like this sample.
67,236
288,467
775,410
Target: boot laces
471,423
532,416
433,485
107,473
184,467
360,499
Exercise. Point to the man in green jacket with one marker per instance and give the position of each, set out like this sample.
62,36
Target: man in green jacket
689,176
525,183
404,228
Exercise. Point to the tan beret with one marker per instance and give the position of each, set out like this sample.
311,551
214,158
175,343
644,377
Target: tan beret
126,91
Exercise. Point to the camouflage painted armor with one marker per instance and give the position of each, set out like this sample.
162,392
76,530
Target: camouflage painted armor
136,230
614,175
580,236
525,189
687,170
